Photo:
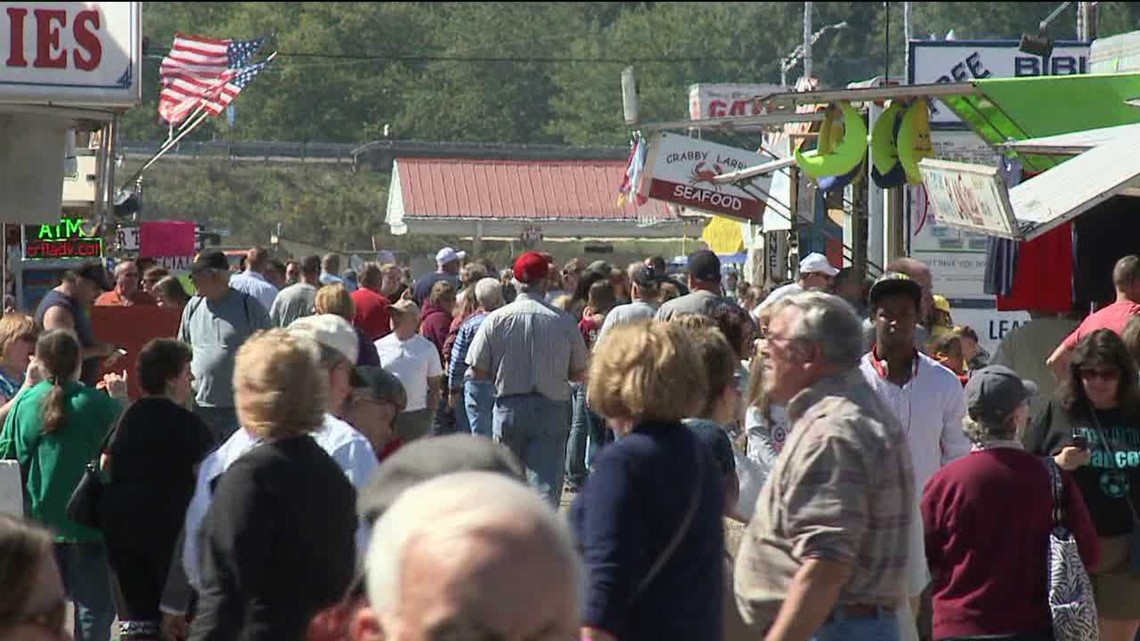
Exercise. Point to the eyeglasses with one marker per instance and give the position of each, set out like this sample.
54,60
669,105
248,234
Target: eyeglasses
1090,373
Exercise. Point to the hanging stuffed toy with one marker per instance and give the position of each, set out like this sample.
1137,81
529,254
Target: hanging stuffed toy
886,170
914,139
831,158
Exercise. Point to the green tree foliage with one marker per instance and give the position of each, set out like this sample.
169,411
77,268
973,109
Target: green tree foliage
541,72
514,72
315,204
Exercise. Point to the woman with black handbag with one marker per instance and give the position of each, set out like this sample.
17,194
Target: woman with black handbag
151,464
54,430
1092,429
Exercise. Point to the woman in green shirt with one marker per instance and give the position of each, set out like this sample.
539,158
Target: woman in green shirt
53,430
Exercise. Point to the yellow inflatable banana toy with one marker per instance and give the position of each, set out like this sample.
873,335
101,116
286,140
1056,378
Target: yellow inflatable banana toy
831,158
914,139
886,170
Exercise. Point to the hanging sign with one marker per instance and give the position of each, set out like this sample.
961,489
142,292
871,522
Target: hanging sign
67,239
970,197
680,170
74,53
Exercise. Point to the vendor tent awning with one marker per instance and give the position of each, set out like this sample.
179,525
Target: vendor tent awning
1006,109
1071,144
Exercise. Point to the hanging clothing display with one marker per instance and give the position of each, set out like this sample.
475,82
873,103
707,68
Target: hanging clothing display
1042,280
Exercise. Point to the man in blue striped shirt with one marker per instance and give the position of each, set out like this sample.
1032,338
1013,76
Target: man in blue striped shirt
475,398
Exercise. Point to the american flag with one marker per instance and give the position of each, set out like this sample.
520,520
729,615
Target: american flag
219,100
198,68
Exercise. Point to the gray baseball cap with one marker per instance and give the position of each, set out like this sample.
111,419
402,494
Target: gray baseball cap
428,458
994,392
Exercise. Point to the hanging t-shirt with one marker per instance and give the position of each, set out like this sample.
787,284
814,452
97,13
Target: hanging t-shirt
1112,472
1042,273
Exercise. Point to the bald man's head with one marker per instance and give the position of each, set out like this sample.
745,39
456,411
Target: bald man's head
919,273
471,555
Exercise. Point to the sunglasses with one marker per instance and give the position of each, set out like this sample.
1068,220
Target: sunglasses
1103,374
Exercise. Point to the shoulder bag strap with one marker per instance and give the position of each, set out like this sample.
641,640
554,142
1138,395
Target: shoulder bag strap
1058,491
105,442
682,530
1112,453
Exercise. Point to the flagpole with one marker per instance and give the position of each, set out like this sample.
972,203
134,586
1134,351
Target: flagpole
185,131
196,118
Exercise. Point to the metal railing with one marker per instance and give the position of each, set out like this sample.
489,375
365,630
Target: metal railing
292,152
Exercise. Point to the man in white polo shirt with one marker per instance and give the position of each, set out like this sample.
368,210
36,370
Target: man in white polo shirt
415,361
925,397
815,273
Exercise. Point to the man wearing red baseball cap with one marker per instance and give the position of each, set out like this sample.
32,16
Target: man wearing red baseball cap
530,351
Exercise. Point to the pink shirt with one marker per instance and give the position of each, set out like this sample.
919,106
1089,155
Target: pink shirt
1112,317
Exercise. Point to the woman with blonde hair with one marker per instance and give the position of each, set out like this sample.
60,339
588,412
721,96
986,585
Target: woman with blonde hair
334,299
278,536
649,517
17,342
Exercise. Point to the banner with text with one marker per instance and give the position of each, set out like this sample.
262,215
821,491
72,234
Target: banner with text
680,170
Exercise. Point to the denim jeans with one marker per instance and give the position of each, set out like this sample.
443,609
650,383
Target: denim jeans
462,423
87,580
479,400
838,628
535,428
576,444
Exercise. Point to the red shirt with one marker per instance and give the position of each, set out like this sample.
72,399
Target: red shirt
986,518
1112,317
372,315
114,299
589,326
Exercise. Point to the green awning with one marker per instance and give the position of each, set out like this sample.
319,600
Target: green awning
1022,108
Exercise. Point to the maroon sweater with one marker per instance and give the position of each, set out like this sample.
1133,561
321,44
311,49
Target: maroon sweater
986,518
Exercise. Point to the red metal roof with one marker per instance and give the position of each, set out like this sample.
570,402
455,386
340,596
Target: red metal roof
517,190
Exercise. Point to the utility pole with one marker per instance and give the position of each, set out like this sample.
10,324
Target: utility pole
906,36
1086,21
807,40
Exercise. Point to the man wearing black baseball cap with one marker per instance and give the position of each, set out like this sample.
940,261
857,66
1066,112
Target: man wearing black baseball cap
215,323
65,307
704,288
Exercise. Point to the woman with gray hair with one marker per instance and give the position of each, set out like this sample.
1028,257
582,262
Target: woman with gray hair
474,399
987,518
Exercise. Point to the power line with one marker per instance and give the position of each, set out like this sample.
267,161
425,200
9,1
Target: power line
157,54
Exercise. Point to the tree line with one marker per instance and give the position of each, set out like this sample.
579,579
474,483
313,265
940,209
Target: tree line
540,72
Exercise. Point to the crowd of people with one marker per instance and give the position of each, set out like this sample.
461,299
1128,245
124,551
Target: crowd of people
556,452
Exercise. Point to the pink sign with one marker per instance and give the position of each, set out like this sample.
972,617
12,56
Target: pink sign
166,238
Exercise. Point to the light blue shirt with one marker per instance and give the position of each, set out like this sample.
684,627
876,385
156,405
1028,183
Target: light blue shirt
622,314
255,285
351,451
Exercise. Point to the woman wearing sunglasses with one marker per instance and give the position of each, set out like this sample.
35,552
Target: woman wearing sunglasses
1092,429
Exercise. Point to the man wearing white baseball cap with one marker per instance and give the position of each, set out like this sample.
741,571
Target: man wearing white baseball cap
447,262
815,273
